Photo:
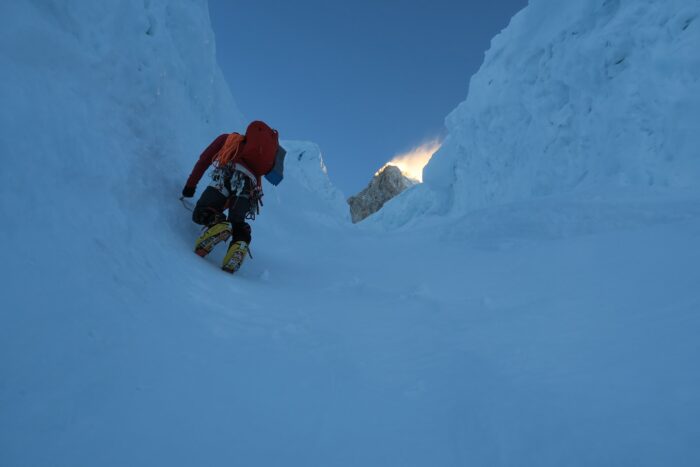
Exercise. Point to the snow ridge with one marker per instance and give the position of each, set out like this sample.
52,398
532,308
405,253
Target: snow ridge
573,97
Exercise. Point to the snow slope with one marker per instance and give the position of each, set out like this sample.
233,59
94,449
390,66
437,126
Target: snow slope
547,331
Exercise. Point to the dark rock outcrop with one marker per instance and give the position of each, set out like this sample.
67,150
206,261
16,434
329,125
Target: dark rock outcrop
386,184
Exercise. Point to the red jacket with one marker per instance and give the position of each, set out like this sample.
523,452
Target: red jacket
256,154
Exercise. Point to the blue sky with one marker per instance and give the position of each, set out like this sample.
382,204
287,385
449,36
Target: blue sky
366,80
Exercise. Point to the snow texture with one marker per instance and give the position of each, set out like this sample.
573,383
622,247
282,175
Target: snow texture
498,328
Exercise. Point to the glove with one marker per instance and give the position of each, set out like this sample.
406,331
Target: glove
188,191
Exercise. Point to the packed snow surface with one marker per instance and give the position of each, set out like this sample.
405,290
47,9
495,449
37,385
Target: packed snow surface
557,326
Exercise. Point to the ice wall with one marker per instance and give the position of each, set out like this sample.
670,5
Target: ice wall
105,102
573,97
306,196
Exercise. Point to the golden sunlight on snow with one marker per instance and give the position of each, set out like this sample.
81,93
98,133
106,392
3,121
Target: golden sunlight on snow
412,162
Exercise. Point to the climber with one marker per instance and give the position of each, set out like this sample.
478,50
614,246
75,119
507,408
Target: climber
239,162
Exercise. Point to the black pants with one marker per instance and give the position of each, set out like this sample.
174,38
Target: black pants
210,210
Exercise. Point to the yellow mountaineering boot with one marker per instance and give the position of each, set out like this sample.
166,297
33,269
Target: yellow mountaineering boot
235,255
214,234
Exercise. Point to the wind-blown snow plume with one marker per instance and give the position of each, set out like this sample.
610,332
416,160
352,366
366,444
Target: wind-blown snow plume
412,162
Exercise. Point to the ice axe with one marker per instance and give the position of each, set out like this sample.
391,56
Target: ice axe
187,204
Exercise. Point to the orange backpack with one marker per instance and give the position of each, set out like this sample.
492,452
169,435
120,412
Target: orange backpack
259,151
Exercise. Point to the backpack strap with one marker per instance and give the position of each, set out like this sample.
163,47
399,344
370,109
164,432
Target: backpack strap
205,160
229,151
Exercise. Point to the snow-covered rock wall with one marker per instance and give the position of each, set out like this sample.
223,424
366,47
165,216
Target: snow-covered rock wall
573,97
